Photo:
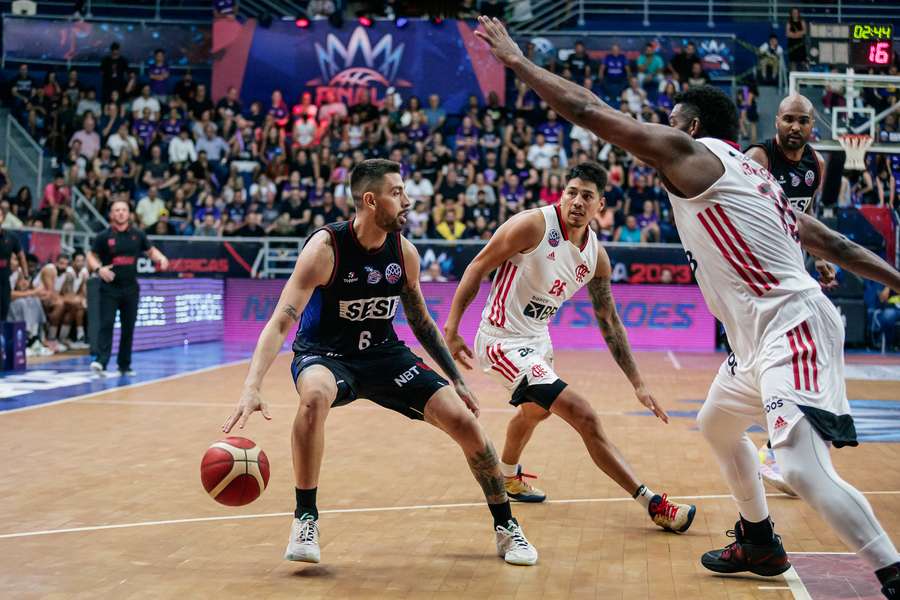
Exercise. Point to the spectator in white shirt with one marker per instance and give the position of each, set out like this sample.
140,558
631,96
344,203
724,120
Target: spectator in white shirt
634,96
540,152
123,140
181,149
418,188
150,207
480,185
305,131
586,138
145,100
87,137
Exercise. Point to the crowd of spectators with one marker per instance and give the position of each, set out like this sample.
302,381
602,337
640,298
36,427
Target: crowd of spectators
202,166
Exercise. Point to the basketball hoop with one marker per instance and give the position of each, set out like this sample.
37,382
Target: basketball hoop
855,146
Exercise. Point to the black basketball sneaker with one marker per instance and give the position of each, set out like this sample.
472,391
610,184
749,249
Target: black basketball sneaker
761,559
890,587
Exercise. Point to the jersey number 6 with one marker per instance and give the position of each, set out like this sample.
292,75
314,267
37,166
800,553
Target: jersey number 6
365,340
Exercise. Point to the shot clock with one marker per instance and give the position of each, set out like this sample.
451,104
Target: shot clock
871,45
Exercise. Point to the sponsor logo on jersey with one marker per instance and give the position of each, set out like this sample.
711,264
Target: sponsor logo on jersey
810,177
800,204
551,256
393,272
373,275
537,371
539,311
369,308
780,423
351,277
523,352
580,272
406,376
553,238
773,404
795,180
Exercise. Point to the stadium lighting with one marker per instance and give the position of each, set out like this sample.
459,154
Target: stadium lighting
365,21
401,22
302,23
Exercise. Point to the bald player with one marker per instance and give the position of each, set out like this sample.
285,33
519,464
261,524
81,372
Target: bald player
789,157
801,171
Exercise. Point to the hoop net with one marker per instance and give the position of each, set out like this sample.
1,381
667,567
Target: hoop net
855,146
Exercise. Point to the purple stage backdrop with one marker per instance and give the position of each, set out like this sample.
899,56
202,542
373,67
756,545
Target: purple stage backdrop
175,311
658,317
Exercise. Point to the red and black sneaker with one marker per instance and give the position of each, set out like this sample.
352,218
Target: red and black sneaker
761,559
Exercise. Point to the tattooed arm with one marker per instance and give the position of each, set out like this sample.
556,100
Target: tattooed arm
614,332
424,327
313,269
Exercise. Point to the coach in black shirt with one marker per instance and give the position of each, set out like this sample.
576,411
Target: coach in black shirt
9,245
113,257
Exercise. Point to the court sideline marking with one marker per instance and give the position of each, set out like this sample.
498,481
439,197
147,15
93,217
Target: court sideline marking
366,510
125,387
673,359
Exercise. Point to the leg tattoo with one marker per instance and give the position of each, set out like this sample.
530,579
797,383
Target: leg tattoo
486,470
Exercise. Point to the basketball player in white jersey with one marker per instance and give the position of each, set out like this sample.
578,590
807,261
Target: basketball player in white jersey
543,256
744,243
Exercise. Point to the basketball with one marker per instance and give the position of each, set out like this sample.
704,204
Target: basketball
234,471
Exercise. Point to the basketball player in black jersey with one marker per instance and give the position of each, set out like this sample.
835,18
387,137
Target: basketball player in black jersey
349,280
800,170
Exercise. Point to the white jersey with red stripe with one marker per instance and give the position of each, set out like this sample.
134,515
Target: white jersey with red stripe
741,239
530,287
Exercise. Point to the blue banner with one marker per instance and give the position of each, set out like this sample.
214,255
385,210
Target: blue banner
354,61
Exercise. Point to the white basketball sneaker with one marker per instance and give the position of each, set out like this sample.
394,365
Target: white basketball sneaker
304,543
513,546
771,473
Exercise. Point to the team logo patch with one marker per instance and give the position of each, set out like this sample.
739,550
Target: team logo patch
580,272
351,277
373,275
553,238
795,180
393,272
810,177
111,242
537,371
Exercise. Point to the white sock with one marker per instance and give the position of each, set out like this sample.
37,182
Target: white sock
644,495
79,331
509,470
64,332
52,332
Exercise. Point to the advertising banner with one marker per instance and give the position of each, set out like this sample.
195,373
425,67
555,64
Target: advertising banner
354,61
173,312
192,257
82,41
658,317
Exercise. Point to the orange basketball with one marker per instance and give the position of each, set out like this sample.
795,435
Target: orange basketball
234,471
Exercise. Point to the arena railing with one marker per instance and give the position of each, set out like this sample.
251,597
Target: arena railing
551,14
24,158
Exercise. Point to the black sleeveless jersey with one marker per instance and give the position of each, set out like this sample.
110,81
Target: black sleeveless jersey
354,313
799,180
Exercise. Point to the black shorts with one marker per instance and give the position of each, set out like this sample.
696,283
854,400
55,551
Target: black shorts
393,377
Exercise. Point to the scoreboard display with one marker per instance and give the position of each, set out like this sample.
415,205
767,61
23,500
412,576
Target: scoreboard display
871,45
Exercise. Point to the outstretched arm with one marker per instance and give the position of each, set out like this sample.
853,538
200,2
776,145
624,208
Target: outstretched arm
682,161
424,327
521,233
829,245
615,335
313,269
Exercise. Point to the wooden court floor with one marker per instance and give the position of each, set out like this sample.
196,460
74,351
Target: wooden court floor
402,516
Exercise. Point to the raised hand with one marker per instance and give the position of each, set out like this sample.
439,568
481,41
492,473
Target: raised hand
502,45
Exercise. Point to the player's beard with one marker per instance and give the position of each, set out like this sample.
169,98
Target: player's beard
792,143
389,222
